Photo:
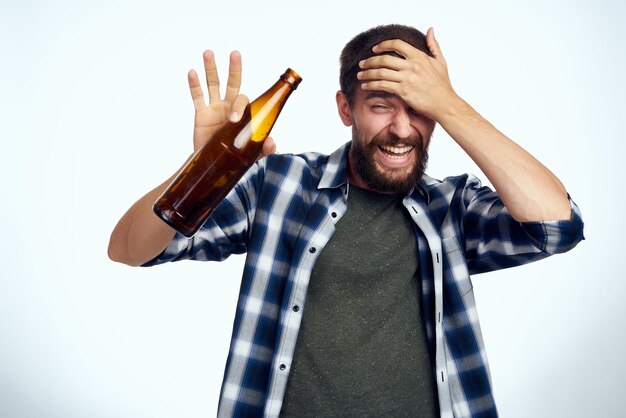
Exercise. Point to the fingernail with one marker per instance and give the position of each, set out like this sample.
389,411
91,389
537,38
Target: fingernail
234,117
375,48
359,74
361,63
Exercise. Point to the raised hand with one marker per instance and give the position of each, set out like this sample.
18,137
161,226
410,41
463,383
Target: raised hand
209,118
420,80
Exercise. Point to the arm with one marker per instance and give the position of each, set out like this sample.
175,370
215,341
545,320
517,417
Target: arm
140,235
528,189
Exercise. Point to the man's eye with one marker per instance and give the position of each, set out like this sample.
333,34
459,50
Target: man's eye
379,107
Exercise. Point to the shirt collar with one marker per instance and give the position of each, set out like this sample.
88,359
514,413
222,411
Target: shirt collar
336,170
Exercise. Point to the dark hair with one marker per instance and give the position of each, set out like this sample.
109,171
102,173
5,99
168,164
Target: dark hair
360,48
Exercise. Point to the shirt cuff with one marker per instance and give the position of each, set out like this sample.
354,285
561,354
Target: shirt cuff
555,237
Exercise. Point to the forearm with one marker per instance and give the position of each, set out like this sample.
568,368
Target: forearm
528,189
140,235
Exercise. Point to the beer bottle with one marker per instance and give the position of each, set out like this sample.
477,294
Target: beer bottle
217,166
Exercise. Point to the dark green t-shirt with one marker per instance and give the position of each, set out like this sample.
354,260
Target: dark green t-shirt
361,349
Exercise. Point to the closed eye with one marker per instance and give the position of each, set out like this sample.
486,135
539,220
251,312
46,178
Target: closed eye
379,106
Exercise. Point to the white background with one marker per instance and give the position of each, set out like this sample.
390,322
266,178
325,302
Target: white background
95,111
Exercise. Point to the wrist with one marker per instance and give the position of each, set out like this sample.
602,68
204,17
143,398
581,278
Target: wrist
457,111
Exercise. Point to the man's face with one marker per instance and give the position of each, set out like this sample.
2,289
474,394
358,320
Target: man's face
389,142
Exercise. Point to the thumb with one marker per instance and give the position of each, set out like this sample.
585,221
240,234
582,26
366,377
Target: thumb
433,45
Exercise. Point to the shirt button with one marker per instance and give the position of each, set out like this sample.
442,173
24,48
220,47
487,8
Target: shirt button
282,367
296,308
334,214
312,250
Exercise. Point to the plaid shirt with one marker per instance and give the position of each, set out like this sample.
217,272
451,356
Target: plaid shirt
284,211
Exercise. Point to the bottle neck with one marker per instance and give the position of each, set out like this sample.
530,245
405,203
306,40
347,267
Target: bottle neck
278,93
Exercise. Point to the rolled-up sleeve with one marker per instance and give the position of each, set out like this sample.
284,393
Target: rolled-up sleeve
495,240
554,237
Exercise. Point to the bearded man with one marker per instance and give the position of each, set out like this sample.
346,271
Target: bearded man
356,297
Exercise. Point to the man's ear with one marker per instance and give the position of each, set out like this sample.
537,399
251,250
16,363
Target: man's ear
343,108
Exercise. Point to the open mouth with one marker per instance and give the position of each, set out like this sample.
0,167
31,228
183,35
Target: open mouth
396,152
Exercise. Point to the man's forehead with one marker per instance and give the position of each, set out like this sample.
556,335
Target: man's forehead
377,94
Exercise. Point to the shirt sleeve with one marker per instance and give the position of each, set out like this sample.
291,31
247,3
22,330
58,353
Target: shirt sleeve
494,240
226,231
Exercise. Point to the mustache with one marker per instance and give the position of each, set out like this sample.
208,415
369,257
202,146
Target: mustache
391,140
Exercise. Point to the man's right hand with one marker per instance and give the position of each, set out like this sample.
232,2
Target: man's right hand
209,119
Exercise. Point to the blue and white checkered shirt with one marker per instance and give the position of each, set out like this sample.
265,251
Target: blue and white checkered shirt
283,212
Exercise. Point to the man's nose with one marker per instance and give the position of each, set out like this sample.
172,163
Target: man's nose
401,125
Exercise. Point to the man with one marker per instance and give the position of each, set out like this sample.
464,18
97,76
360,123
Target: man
356,298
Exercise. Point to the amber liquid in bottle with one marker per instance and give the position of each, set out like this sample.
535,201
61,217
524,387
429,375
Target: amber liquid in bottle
216,167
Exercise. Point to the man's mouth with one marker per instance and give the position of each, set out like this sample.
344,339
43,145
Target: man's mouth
396,152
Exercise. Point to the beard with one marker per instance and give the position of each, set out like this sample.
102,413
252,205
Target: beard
391,180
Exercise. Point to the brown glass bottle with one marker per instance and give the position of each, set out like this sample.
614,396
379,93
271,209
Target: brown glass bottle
216,167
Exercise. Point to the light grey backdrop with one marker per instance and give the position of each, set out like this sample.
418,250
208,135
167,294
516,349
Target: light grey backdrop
95,111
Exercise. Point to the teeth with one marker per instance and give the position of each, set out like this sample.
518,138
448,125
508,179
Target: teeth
396,150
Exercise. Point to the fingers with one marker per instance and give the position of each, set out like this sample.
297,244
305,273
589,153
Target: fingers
408,51
212,78
269,147
383,85
396,45
433,45
238,108
383,73
383,61
213,84
234,76
196,90
379,74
